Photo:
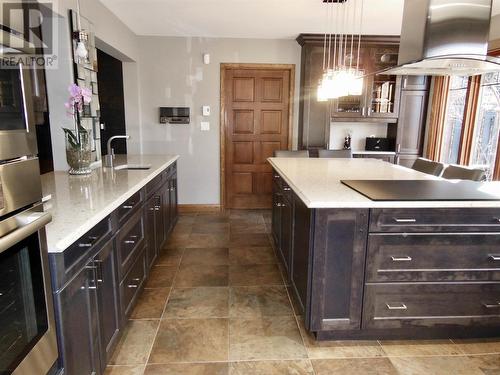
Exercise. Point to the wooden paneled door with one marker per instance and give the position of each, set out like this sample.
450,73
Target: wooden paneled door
256,113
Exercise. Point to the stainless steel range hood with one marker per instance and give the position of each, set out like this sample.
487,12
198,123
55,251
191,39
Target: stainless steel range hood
445,37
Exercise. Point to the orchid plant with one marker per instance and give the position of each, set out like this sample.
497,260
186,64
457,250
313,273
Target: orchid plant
79,96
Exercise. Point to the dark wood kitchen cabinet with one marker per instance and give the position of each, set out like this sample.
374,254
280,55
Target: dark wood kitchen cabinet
378,102
98,279
392,273
282,220
78,324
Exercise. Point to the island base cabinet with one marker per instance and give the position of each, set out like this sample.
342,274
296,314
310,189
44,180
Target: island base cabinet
339,265
427,305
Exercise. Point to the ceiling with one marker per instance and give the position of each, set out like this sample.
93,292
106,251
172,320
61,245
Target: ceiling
268,19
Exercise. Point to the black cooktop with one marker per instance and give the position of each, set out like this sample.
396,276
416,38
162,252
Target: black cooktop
421,190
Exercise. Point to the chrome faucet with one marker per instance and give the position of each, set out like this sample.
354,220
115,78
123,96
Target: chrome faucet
108,158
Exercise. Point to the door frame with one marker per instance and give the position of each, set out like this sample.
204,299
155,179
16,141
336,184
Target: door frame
223,120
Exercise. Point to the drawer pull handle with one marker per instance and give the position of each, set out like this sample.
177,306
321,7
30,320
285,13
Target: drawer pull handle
129,242
494,258
276,176
84,245
492,305
497,219
401,259
129,207
132,286
287,189
405,221
396,306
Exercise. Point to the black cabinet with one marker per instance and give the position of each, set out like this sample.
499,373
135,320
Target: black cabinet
105,263
78,324
99,278
282,221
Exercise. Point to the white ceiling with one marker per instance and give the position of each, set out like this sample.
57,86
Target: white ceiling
268,19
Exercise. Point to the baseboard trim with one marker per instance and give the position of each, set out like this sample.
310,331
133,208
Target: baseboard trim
190,208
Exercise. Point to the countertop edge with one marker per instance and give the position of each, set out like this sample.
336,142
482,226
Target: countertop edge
73,236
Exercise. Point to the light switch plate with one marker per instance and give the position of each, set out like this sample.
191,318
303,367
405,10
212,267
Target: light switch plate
205,126
206,110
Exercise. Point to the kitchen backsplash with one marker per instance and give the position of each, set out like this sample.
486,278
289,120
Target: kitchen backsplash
358,130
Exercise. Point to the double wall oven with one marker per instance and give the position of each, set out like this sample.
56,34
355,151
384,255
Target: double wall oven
27,332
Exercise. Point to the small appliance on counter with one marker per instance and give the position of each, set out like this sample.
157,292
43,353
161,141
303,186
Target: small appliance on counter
379,144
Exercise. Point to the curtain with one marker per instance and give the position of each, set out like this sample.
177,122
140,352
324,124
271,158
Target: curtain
471,107
437,117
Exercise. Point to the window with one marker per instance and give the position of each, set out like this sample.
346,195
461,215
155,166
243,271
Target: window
487,127
452,129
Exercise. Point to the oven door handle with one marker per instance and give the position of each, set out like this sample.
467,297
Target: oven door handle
26,224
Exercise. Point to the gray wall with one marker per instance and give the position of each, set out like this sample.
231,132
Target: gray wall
171,73
109,32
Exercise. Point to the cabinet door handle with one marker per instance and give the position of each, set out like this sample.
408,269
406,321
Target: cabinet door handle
128,207
129,242
132,286
396,306
287,189
86,245
401,259
495,305
100,278
405,82
494,258
497,219
276,176
405,221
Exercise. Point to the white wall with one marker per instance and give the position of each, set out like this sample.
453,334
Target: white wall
359,132
171,73
110,32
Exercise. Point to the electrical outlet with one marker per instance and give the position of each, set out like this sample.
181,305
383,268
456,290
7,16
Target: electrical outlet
206,110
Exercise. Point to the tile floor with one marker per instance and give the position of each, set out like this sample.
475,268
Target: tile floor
216,304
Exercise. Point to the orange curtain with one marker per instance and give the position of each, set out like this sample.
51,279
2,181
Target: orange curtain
471,106
437,117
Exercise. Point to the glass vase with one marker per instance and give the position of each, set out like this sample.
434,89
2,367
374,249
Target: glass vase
79,154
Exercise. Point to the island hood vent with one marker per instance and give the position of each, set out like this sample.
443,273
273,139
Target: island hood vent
445,37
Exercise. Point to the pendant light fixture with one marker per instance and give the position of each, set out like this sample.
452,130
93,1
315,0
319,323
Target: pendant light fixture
340,77
80,36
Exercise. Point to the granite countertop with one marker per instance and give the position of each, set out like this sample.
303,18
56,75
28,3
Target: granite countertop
317,182
78,203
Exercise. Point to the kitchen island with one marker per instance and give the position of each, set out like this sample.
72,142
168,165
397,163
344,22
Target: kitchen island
363,269
107,230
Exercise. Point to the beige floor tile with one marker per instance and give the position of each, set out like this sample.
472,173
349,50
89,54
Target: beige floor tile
170,257
150,304
259,301
201,302
252,275
199,240
451,365
182,228
354,366
210,228
299,367
250,216
420,348
265,338
479,346
177,240
249,239
185,218
244,226
339,349
191,340
161,277
488,364
206,256
188,369
193,276
124,370
211,218
251,255
135,343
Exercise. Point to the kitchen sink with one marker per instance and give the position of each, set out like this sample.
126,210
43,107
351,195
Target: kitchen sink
132,167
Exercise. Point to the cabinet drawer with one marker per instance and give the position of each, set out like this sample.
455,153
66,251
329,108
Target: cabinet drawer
433,257
287,190
131,285
130,205
277,179
431,304
130,240
435,220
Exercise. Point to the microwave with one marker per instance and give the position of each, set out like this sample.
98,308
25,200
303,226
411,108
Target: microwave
17,118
